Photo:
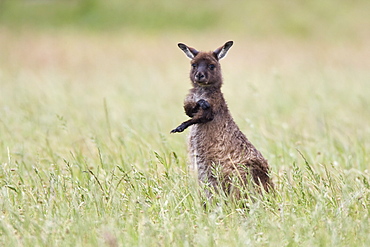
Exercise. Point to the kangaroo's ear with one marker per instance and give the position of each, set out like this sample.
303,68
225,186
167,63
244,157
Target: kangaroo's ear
222,51
189,51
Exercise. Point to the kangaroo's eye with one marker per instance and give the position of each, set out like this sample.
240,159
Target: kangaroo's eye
211,66
194,65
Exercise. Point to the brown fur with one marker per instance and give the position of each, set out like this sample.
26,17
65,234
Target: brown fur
224,157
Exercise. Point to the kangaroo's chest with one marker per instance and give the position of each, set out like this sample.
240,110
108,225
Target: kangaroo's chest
198,95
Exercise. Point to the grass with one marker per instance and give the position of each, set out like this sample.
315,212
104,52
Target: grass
87,158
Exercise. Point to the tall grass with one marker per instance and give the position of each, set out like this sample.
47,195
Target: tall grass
87,158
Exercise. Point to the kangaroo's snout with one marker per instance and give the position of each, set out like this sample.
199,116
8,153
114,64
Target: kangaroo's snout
200,77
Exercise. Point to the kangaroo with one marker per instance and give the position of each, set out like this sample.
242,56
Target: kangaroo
215,141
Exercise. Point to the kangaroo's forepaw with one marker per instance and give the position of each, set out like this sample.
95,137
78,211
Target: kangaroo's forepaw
203,104
178,129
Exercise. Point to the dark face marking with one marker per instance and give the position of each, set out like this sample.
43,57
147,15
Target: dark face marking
205,70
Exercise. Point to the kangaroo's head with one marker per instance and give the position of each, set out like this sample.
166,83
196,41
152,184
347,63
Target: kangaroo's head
205,67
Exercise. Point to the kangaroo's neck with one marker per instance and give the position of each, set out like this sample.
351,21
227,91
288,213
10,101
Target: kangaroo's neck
207,89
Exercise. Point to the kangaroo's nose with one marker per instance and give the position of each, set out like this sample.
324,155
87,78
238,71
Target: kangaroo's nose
199,76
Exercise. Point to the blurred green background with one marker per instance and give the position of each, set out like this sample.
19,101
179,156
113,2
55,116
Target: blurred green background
304,19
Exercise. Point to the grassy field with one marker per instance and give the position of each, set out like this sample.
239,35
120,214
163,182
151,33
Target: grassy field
87,158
